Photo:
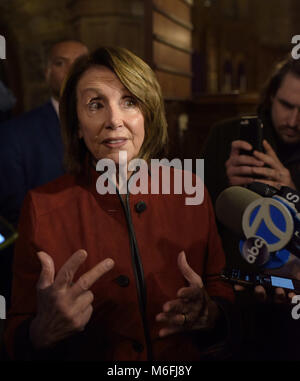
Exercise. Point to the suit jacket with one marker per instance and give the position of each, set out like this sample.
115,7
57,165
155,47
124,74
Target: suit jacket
68,214
31,154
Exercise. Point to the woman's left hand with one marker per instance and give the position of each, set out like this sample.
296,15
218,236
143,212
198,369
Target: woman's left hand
193,309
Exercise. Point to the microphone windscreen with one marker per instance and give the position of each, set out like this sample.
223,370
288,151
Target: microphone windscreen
231,204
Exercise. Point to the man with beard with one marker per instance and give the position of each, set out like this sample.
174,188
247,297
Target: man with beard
278,165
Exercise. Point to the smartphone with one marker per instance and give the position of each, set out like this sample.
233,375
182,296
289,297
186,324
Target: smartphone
236,276
251,130
7,234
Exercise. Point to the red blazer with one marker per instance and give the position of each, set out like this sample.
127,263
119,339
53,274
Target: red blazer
68,214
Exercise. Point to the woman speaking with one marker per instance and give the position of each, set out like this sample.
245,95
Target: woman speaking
115,276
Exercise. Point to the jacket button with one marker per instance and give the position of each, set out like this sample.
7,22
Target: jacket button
123,281
137,347
140,206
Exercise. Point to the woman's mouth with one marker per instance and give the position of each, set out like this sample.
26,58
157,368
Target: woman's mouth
114,143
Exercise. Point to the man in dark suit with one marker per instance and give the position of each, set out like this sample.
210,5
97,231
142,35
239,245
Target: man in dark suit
7,102
31,149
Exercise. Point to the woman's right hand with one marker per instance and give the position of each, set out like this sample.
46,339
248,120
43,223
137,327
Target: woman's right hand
64,307
239,168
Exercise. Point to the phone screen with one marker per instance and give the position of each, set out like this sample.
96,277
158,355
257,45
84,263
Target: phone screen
2,239
282,282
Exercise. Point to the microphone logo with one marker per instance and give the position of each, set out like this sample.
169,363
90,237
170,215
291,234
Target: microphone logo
255,251
269,219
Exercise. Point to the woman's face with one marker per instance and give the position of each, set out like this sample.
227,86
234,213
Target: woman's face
110,119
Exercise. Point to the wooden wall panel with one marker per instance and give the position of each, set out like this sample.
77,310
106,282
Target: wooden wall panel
174,86
164,55
203,113
175,8
171,31
171,46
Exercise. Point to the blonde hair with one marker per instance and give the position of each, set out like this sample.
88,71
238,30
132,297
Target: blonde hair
138,78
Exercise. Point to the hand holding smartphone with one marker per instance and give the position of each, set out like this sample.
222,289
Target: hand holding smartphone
236,276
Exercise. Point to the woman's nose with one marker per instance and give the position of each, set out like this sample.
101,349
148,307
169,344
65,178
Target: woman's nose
114,117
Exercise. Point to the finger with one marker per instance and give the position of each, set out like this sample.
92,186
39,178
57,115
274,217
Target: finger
260,293
269,157
268,173
235,150
238,145
238,288
267,160
47,274
243,170
66,273
84,318
269,150
171,319
170,331
190,293
279,296
188,273
248,160
174,306
291,295
83,301
89,278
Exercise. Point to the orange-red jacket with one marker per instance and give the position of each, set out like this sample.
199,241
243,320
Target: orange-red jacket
68,214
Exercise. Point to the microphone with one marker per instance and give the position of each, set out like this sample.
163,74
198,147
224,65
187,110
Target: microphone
291,199
266,225
231,205
291,196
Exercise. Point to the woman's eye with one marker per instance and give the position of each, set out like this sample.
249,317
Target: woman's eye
130,102
94,105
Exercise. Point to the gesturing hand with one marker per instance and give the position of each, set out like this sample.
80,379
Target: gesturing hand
63,307
193,309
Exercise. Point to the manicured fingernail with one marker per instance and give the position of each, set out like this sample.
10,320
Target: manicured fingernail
82,253
109,263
